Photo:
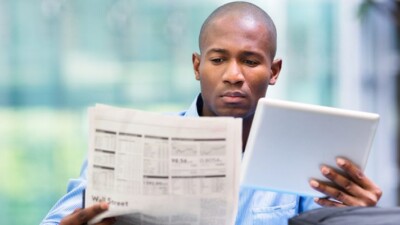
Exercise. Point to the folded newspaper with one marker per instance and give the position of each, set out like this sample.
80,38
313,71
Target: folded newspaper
163,169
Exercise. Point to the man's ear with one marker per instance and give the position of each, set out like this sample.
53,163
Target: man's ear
196,65
276,69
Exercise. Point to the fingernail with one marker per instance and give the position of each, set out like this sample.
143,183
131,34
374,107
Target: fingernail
325,170
316,200
314,183
340,161
104,205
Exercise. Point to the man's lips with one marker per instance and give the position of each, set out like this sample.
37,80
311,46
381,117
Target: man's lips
233,96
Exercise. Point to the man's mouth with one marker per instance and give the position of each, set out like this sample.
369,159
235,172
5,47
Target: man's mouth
232,97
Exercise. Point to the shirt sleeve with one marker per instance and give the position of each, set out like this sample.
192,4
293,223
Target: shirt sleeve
306,204
70,201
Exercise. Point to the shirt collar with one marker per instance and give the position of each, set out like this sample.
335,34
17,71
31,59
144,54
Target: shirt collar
196,107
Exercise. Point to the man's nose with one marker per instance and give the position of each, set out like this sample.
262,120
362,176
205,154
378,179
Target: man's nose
233,74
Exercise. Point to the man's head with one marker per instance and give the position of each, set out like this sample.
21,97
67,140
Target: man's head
236,62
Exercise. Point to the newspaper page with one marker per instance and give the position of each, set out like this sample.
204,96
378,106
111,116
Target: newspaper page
161,169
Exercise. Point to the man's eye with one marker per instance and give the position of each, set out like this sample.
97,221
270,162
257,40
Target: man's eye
250,62
217,60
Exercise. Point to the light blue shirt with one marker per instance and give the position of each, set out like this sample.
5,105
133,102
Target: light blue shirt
255,206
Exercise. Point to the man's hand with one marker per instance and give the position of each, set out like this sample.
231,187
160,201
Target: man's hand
354,190
82,216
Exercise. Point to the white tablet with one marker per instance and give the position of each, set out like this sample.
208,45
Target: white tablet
289,141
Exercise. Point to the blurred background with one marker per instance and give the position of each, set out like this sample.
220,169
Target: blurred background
58,57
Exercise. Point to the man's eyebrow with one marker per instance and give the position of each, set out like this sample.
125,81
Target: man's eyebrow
217,50
250,53
244,53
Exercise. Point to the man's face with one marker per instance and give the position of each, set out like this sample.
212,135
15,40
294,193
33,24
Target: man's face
235,67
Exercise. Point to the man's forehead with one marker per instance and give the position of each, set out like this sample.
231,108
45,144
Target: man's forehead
235,26
231,28
237,21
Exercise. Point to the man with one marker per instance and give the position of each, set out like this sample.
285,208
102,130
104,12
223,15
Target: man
235,66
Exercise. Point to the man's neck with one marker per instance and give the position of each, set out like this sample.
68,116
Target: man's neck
246,124
246,130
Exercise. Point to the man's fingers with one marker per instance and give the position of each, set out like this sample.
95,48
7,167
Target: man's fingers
328,203
342,181
88,213
353,171
358,176
353,189
81,216
334,193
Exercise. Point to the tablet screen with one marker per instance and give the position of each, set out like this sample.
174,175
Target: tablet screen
289,141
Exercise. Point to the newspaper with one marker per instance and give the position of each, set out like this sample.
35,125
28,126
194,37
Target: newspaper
162,169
